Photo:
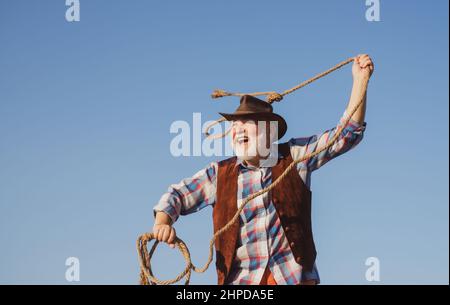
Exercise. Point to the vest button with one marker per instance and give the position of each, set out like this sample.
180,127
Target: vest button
298,259
287,229
292,244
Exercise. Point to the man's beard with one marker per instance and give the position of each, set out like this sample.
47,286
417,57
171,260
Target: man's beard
253,149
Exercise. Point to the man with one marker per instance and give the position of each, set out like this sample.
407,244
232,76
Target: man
272,243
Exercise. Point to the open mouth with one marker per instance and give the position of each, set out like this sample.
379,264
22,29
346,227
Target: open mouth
242,139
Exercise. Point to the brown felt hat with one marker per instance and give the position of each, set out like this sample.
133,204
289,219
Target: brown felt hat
252,108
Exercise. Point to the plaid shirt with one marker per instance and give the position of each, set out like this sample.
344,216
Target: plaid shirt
262,241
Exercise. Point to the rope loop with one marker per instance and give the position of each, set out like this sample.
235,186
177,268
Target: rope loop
147,277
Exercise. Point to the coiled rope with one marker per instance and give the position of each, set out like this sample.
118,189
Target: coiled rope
146,275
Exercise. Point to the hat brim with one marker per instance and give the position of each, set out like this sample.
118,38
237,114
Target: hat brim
259,116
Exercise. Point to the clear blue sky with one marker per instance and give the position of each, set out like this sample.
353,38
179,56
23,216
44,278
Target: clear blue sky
85,111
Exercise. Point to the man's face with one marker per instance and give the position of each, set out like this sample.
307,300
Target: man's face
249,139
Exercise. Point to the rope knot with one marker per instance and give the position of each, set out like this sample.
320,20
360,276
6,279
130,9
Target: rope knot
274,97
219,93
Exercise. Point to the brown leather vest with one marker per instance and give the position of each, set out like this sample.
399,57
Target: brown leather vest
292,201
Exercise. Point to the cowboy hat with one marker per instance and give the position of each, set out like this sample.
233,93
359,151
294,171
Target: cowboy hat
252,108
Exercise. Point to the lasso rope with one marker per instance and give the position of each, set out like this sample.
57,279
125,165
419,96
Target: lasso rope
147,276
271,96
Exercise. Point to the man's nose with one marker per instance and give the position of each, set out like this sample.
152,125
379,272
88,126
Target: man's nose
241,130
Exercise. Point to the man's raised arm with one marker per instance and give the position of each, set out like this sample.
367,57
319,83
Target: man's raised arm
352,133
362,69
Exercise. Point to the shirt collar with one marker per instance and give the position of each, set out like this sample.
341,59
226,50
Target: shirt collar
264,163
